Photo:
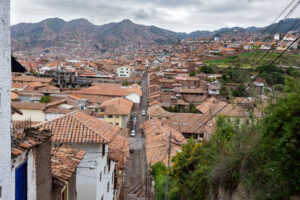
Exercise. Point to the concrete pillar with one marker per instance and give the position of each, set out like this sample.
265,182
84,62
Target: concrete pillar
5,109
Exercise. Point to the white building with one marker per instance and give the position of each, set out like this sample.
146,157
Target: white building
96,174
5,109
277,36
125,71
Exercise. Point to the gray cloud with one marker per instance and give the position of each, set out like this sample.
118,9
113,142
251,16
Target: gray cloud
177,15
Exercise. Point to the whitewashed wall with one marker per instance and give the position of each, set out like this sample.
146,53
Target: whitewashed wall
5,109
88,183
31,174
135,98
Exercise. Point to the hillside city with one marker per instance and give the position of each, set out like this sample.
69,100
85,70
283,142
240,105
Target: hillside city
124,111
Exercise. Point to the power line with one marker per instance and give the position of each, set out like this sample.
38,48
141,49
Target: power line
279,24
285,50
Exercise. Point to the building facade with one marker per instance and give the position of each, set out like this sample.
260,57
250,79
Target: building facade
5,107
124,71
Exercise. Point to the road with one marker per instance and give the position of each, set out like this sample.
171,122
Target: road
137,160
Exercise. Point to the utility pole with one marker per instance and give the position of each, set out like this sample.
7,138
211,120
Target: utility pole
169,157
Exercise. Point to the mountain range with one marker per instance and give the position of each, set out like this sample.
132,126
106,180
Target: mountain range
55,32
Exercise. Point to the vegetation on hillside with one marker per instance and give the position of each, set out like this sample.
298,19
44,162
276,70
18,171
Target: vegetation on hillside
262,155
249,60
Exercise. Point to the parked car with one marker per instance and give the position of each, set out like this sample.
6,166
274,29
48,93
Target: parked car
134,119
143,112
132,134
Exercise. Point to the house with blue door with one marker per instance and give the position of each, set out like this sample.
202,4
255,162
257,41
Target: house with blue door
30,164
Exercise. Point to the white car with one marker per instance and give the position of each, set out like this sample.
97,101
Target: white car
143,112
132,134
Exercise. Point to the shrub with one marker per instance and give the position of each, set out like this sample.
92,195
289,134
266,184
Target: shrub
45,99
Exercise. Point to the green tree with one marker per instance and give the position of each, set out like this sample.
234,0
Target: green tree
159,171
291,71
240,91
125,83
45,99
207,69
237,76
193,73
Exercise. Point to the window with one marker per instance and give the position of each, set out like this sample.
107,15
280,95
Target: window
110,116
100,176
108,163
103,150
21,182
102,110
108,187
117,124
117,116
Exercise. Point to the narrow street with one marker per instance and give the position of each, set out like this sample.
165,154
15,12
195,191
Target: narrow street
137,161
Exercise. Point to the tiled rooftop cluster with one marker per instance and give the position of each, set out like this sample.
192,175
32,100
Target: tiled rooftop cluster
64,162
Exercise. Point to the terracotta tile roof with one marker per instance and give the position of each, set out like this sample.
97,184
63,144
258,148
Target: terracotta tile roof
118,149
31,79
235,110
58,110
78,127
90,98
157,141
211,105
154,85
27,138
29,105
155,102
166,80
187,122
109,90
189,90
14,96
36,84
19,85
64,162
157,111
117,106
58,102
243,100
49,87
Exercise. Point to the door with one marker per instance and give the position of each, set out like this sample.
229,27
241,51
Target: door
21,182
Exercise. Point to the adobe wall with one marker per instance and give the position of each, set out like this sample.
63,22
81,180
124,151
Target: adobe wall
43,170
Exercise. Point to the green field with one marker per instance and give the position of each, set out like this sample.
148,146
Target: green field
249,60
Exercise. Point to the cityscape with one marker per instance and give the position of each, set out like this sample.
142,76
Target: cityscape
145,104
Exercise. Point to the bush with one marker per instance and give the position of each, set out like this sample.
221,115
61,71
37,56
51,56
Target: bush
261,155
291,71
159,171
125,83
45,99
207,70
279,87
193,73
269,69
237,76
240,91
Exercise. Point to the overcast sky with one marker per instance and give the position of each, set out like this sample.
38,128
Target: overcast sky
176,15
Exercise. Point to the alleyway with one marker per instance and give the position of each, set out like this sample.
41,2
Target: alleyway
137,160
